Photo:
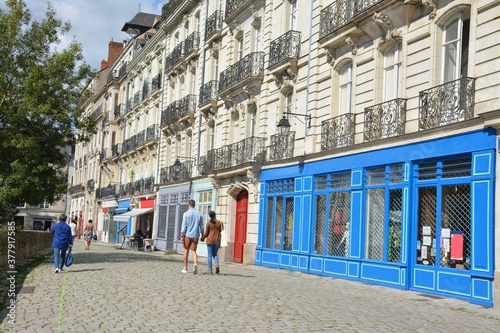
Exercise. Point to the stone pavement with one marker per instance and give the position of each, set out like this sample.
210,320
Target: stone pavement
114,290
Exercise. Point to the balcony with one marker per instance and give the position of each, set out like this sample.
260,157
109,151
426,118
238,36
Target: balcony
146,90
385,120
208,93
116,150
174,57
247,69
105,119
122,70
179,110
213,26
104,155
168,174
137,99
281,147
191,45
119,111
130,104
140,139
76,189
127,189
97,112
337,132
446,104
285,49
341,13
152,133
233,7
245,151
90,184
156,83
104,192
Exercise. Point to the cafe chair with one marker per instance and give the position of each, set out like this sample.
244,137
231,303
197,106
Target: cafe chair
148,243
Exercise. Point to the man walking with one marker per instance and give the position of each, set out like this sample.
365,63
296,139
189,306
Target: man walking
62,240
192,228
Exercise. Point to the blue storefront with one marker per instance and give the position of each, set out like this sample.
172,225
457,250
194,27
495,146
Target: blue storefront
418,216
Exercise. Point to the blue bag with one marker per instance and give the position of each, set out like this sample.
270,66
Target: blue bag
69,258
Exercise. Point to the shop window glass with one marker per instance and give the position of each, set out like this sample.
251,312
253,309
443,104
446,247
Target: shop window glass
320,226
375,224
278,234
288,239
338,224
269,222
162,221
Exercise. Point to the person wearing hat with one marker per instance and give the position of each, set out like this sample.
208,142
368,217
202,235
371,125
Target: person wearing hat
61,242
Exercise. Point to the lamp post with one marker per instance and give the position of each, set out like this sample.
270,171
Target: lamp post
284,124
177,163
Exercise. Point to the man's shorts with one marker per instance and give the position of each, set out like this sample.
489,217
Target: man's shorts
190,243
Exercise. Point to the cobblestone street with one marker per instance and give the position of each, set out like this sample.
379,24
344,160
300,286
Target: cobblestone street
116,290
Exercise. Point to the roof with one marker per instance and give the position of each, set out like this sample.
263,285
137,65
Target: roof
141,23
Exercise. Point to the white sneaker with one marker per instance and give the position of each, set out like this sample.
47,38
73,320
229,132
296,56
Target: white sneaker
184,271
195,269
56,270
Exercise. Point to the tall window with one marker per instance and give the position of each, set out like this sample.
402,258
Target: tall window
238,41
293,14
345,89
279,217
392,72
257,39
383,221
455,49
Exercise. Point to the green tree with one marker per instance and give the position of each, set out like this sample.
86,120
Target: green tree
40,88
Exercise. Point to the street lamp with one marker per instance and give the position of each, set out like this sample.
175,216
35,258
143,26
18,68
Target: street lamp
177,163
284,124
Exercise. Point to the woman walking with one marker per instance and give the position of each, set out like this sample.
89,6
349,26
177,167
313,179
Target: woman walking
213,235
88,233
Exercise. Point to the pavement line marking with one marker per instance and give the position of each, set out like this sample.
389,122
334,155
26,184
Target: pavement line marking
61,302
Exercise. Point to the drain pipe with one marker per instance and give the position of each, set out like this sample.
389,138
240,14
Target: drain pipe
308,74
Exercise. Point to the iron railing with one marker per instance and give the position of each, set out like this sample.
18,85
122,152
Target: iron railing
76,189
281,147
285,47
338,132
335,16
104,155
130,104
141,138
146,90
233,5
152,133
187,105
250,66
137,99
192,44
385,120
168,174
97,112
170,114
213,24
108,191
156,83
174,57
122,70
446,104
208,92
119,111
116,150
247,150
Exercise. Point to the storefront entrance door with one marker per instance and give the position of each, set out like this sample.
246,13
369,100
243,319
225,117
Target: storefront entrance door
240,236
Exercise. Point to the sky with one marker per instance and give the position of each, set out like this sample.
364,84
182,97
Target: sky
94,22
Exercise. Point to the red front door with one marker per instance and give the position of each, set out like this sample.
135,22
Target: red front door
240,236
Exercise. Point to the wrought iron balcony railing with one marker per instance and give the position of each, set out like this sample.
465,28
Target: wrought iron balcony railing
152,133
122,70
448,103
127,189
335,16
187,105
137,99
338,132
362,5
248,150
174,57
213,24
156,83
208,92
285,47
170,114
192,44
130,104
141,138
76,189
116,150
146,90
104,155
251,66
233,5
105,119
119,111
168,174
97,112
108,191
170,8
148,186
385,120
281,147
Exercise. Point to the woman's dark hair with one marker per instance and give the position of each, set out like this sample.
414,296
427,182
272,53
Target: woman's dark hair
212,215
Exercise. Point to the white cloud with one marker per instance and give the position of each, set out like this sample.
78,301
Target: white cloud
95,22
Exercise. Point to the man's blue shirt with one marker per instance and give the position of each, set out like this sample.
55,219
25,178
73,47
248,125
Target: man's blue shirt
192,224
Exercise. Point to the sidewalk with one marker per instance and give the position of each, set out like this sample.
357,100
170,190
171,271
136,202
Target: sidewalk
118,290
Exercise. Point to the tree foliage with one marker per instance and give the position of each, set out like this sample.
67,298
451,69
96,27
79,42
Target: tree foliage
40,87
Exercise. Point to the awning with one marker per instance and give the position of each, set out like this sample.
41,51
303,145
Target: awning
134,212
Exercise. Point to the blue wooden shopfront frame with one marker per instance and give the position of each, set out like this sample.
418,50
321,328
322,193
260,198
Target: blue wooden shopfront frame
474,285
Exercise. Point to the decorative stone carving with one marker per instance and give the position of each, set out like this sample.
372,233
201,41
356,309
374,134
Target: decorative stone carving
185,19
216,183
256,18
430,4
252,99
193,63
214,49
171,82
254,178
330,55
352,41
385,25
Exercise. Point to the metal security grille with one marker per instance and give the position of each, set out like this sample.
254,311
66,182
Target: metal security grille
287,246
269,223
426,230
320,227
338,227
455,216
395,222
278,232
375,225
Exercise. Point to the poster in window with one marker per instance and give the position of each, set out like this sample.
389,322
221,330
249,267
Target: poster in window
457,246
